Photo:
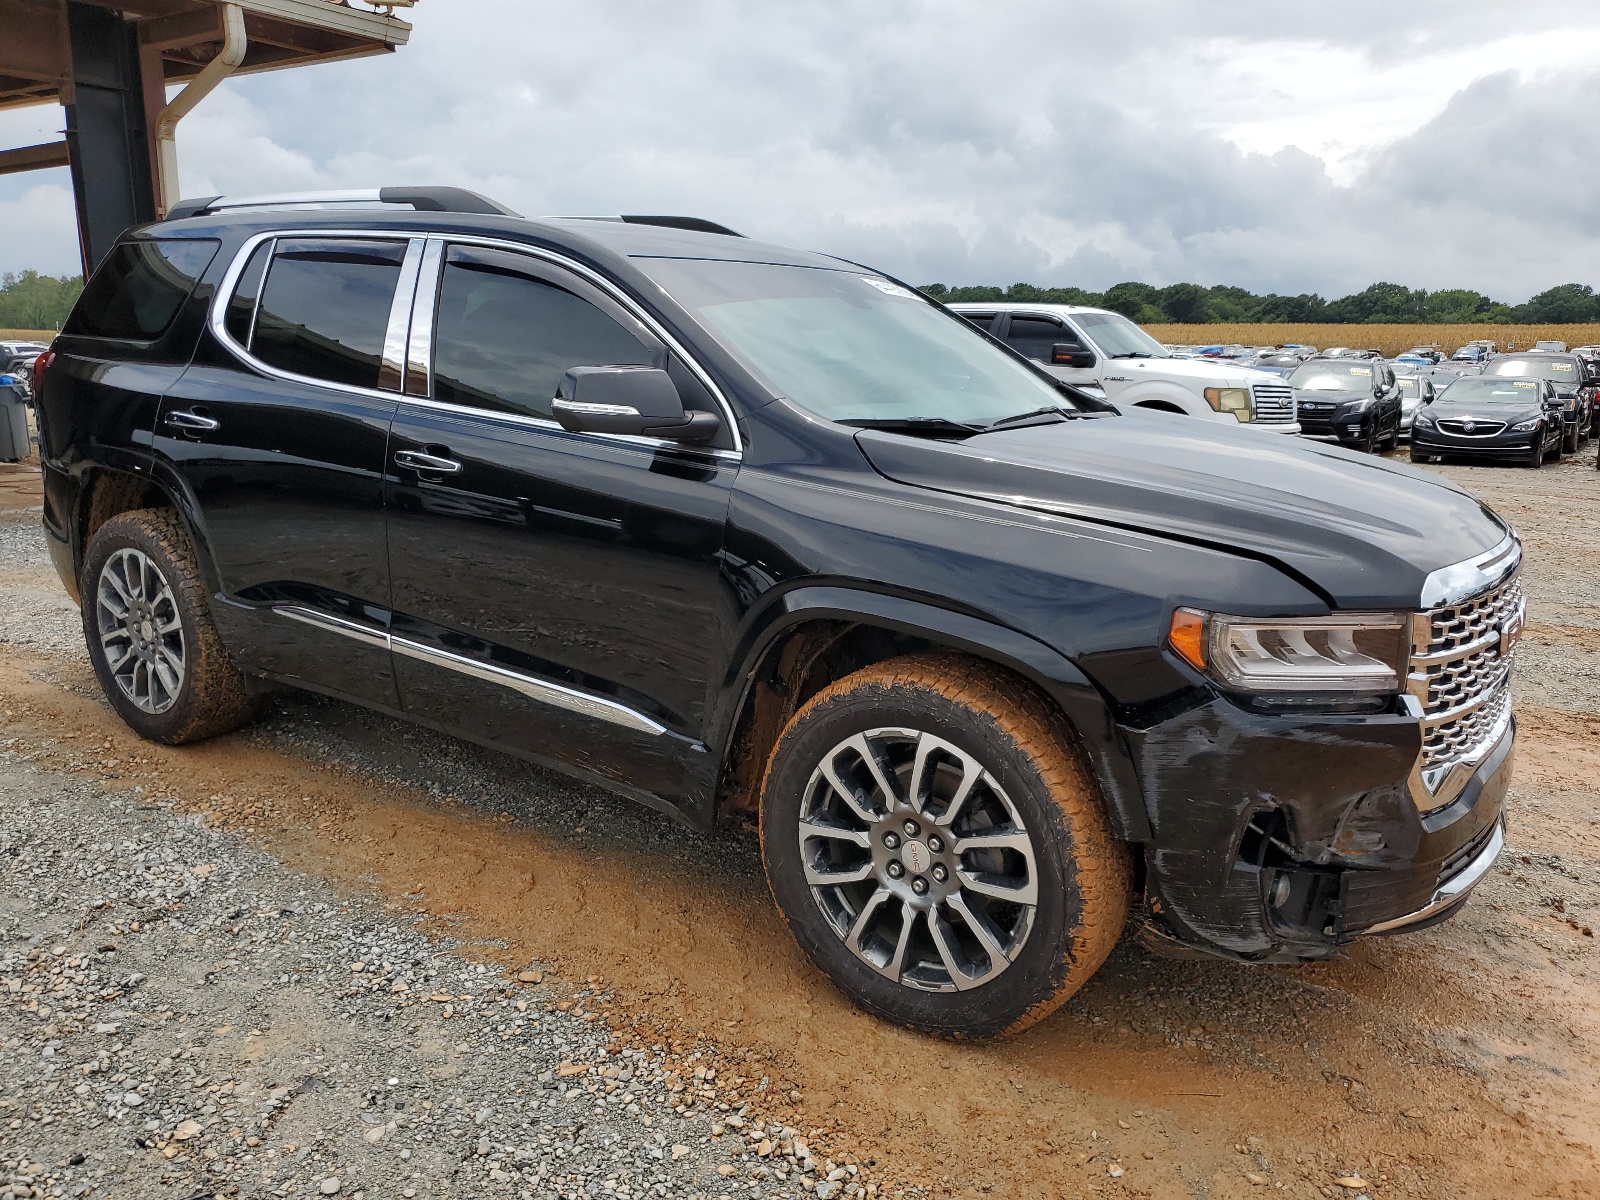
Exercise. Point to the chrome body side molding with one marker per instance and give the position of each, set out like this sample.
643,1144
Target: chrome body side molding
543,690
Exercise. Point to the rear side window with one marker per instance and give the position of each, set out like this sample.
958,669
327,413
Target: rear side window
1034,336
140,287
505,335
324,308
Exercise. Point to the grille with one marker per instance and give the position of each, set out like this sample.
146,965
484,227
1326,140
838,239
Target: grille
1274,404
1460,675
1479,428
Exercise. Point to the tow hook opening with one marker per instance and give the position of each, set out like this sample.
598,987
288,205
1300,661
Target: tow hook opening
1297,899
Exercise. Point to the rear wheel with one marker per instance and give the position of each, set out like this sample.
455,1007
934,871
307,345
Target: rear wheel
938,849
151,640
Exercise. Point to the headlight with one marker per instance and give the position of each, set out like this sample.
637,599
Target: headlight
1360,406
1357,652
1424,419
1230,400
1527,426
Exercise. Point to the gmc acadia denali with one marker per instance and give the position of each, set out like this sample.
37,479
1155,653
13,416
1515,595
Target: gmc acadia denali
727,527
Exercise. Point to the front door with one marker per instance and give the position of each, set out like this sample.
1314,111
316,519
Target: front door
1035,335
555,594
277,431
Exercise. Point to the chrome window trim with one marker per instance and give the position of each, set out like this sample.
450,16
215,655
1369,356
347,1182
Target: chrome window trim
419,343
230,281
543,690
261,286
1471,577
391,373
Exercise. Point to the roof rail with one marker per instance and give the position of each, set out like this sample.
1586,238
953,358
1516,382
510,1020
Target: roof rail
693,224
423,199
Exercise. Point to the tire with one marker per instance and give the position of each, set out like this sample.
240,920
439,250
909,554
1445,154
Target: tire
1569,440
1393,442
1535,458
142,564
1369,444
1417,456
1071,877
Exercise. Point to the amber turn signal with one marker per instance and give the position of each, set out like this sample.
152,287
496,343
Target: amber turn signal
1188,637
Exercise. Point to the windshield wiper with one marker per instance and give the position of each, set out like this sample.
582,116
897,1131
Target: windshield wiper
1134,354
1038,416
916,426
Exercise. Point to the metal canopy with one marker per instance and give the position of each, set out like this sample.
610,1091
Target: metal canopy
182,36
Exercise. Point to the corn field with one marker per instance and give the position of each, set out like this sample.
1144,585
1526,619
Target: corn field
1391,339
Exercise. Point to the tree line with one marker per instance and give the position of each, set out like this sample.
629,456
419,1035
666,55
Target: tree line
34,301
1380,304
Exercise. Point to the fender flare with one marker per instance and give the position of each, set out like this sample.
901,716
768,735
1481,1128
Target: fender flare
1081,703
159,475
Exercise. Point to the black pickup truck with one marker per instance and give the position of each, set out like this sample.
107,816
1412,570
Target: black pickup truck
728,527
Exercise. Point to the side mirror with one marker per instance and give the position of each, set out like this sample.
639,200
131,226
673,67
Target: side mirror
1553,404
642,401
1068,354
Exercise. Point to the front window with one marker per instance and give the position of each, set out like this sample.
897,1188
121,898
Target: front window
1481,389
1117,337
1332,377
850,346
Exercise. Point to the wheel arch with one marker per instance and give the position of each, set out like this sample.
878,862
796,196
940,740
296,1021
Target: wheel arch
806,638
120,486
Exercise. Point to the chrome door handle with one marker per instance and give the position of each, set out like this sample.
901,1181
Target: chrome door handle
418,461
193,421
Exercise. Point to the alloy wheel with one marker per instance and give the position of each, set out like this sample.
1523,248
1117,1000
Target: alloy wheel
141,632
917,859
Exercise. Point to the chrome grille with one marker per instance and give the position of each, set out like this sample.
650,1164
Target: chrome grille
1274,404
1479,428
1460,673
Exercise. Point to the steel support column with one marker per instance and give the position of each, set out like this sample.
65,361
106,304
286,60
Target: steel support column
107,131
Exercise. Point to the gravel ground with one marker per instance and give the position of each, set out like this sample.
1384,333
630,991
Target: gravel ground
180,1011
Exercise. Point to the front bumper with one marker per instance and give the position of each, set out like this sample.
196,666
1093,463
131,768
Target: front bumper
1279,838
1344,422
1506,445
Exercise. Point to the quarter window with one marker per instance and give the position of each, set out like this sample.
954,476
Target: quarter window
140,287
506,334
242,304
325,308
1034,336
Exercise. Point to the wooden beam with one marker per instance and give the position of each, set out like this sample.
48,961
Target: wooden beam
34,158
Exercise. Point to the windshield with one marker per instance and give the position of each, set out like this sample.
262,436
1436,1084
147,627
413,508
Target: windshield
1410,385
1480,389
1561,370
1118,337
1332,377
849,346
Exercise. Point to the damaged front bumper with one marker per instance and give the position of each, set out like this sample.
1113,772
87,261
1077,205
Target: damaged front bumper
1281,838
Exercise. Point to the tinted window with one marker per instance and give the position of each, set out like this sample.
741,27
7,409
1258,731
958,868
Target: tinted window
505,336
242,304
982,320
325,308
140,287
1034,336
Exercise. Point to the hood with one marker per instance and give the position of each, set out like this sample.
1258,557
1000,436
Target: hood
1330,395
1362,531
1477,410
1212,370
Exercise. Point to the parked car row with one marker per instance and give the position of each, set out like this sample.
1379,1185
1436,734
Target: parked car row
735,529
17,359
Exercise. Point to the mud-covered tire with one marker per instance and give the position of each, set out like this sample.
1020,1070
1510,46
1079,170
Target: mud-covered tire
1081,872
212,697
1417,456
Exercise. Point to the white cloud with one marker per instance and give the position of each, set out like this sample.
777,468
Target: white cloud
1293,148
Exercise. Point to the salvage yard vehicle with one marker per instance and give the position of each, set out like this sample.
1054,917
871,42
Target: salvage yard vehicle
1357,402
1517,420
1573,383
732,528
1415,391
1104,351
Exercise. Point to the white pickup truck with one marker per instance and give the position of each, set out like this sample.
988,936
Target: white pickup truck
1095,348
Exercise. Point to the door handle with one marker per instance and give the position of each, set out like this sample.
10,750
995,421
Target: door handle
193,421
416,460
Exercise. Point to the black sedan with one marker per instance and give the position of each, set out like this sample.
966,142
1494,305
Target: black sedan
1483,416
1574,380
1356,401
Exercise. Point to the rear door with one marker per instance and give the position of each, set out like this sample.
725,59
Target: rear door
556,594
277,432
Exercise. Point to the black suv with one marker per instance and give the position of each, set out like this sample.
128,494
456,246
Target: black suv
727,527
1355,401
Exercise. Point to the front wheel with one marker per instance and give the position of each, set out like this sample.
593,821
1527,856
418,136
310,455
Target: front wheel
938,848
1569,440
150,636
1535,458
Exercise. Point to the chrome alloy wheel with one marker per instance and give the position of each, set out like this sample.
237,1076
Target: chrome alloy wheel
140,630
918,860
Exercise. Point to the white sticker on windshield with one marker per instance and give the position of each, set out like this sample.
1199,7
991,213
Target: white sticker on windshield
1523,383
1361,370
889,289
1561,367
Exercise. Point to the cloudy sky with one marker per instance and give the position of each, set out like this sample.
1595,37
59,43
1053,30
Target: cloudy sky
1282,147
